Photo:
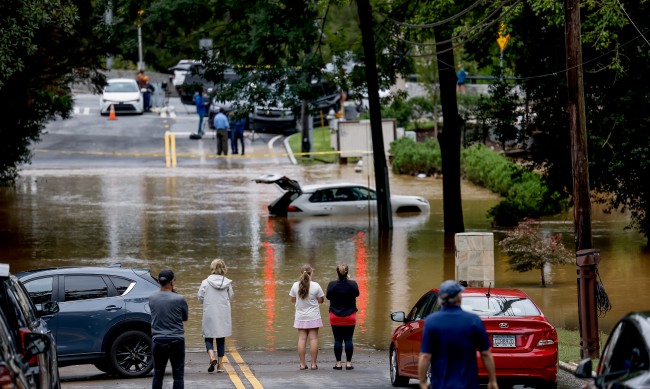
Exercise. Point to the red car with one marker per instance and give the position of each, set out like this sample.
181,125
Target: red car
524,343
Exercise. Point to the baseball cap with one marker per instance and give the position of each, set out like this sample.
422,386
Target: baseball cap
165,277
449,289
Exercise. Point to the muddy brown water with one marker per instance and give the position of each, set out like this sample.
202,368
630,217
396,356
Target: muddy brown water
183,218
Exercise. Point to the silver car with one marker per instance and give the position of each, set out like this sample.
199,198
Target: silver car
334,199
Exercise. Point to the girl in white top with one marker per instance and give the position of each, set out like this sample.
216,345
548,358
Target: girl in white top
307,295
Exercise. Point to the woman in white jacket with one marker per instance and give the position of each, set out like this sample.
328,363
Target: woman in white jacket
215,294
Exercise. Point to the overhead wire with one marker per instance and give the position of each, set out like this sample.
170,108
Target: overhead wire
550,74
631,21
434,24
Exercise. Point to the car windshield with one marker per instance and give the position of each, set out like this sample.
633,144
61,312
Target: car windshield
117,87
499,306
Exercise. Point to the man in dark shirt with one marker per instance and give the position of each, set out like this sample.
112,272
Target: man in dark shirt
168,312
450,339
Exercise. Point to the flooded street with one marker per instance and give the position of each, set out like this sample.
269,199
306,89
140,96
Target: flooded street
183,218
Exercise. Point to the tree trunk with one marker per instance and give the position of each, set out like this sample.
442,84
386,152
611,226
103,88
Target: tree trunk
543,279
449,137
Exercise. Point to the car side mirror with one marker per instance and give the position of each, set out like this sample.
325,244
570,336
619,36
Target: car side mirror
398,316
47,308
35,344
584,369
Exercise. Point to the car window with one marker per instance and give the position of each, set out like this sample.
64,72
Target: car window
117,87
24,302
499,306
16,311
625,351
322,196
122,285
84,287
40,289
7,347
423,307
361,193
344,194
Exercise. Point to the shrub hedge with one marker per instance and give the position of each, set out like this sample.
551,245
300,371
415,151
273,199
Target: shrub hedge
525,193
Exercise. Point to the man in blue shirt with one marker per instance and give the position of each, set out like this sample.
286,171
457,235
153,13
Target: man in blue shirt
461,78
222,126
450,339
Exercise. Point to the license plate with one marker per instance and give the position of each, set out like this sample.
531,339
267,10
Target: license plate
503,341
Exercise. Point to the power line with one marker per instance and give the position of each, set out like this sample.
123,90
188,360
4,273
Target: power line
482,24
434,24
630,19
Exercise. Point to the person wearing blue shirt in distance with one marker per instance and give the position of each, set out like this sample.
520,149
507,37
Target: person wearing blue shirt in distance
450,339
461,77
222,126
199,100
238,125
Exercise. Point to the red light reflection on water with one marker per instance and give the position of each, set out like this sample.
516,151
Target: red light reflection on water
269,287
361,256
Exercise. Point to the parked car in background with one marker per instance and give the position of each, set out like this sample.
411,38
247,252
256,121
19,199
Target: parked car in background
625,360
180,70
29,333
104,317
333,199
124,95
524,343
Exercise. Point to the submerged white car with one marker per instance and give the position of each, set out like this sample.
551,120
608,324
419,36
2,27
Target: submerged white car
334,199
123,94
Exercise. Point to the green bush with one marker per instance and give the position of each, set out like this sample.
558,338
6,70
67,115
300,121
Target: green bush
526,194
410,157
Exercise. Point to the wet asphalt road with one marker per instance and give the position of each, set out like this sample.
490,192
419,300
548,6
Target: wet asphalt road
261,369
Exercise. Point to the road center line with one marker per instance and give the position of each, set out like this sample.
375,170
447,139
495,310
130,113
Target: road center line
232,374
244,368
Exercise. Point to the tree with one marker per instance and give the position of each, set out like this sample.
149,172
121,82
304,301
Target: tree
45,45
529,248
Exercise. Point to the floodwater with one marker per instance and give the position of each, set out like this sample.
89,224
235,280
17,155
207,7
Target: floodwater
184,218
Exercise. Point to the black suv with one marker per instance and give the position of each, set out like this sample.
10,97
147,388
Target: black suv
104,317
28,335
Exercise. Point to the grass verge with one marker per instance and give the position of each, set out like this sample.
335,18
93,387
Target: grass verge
569,345
322,147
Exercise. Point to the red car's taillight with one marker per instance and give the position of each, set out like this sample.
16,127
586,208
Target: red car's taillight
293,208
548,338
6,380
33,361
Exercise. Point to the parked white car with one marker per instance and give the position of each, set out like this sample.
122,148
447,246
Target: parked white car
180,70
123,94
334,199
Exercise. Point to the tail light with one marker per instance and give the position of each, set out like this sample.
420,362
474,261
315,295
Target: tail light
548,338
33,361
6,378
293,208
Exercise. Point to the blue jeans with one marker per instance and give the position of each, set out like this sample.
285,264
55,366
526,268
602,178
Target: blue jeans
172,350
201,116
221,345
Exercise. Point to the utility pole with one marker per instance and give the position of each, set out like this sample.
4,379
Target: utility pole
139,21
384,212
586,257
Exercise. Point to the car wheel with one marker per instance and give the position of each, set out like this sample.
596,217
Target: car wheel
395,378
131,354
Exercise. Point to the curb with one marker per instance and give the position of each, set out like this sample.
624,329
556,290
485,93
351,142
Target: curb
569,367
